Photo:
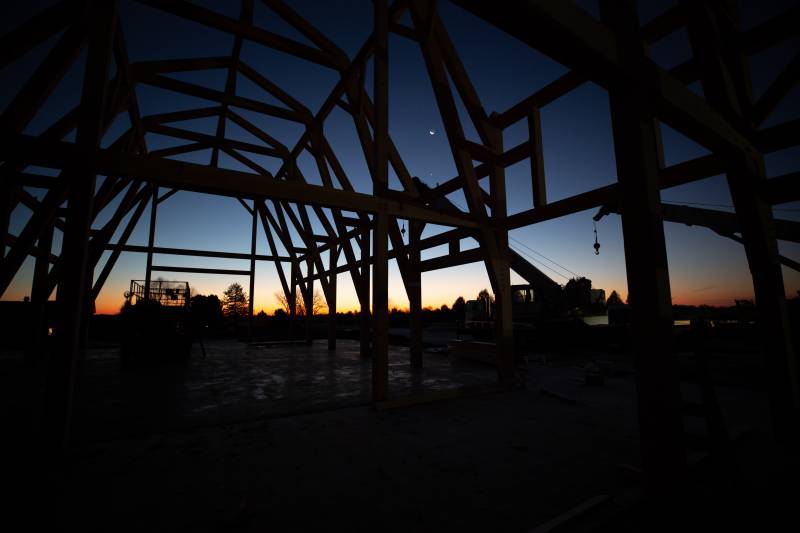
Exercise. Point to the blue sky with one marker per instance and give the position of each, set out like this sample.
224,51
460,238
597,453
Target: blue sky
578,151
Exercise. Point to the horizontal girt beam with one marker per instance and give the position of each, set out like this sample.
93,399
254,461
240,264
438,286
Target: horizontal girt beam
195,270
201,178
193,253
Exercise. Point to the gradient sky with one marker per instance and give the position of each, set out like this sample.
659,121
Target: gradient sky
578,152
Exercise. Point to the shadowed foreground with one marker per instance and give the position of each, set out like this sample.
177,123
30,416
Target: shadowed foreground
210,448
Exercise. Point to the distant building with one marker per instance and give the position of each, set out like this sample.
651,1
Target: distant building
597,296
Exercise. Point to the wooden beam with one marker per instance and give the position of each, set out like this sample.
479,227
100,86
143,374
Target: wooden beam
72,311
538,184
330,298
495,260
161,66
777,91
189,176
159,250
273,89
39,295
575,39
711,28
197,270
251,294
36,30
672,176
171,84
773,31
177,116
123,239
664,24
413,286
180,149
637,156
783,189
779,137
380,178
44,80
549,93
217,21
364,316
166,196
210,140
306,28
151,242
450,260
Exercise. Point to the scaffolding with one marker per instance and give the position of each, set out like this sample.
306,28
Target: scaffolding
165,293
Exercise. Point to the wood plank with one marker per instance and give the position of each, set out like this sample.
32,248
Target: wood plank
197,270
160,250
575,39
189,176
210,140
71,302
636,147
170,84
220,22
36,30
538,184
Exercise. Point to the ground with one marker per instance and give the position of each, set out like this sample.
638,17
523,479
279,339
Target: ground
283,438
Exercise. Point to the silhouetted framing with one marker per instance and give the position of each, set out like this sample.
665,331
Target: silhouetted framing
611,53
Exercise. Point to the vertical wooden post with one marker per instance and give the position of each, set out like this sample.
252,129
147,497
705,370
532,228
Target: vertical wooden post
726,86
414,288
148,274
62,366
6,195
308,297
637,156
364,297
431,34
504,327
292,299
380,308
380,179
538,186
333,258
40,294
250,296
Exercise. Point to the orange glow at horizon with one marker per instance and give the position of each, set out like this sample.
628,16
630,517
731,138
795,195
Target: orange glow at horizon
689,286
439,288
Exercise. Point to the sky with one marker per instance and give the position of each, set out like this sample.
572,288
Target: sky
704,268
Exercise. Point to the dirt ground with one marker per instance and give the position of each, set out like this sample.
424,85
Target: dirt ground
283,438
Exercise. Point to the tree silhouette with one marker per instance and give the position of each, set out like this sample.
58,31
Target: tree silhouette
206,311
577,292
485,300
317,304
234,301
613,299
284,303
458,308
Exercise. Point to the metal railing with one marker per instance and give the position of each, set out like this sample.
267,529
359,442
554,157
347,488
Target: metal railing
167,293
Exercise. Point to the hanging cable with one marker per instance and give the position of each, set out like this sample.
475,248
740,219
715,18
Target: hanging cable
519,243
522,252
678,202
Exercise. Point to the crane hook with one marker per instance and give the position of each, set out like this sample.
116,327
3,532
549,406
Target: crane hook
596,244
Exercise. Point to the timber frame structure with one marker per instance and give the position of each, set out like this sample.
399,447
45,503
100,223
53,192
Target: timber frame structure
611,52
